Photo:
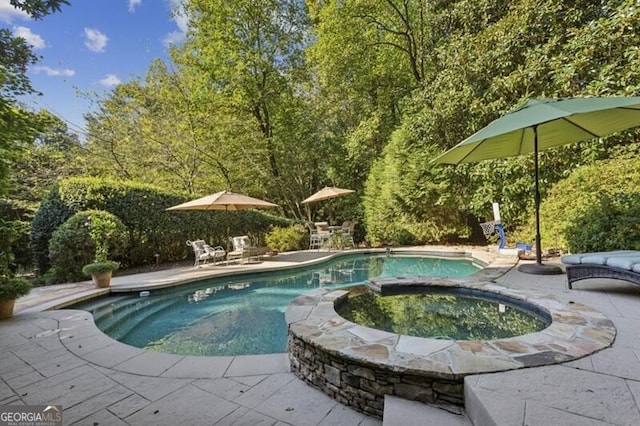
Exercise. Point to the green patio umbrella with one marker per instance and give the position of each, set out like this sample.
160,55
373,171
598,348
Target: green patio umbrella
540,124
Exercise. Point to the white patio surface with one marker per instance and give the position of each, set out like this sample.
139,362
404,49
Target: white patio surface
60,357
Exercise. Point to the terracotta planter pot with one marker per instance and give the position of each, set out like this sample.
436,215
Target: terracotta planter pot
102,280
6,308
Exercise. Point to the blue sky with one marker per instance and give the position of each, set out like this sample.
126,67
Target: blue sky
91,46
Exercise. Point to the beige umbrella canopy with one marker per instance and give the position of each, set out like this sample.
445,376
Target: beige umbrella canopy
326,193
224,200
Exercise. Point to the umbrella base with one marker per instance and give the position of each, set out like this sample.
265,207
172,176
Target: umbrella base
539,269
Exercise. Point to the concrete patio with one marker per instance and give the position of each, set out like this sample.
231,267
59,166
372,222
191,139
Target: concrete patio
60,357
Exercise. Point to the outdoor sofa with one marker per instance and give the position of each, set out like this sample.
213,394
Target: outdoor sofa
620,265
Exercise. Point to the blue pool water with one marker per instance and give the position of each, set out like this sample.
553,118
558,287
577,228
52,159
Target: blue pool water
244,315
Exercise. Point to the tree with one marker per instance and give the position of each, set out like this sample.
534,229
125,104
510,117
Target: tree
528,49
251,61
369,57
17,126
250,50
38,9
55,153
163,129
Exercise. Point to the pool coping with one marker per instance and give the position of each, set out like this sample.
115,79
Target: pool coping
80,335
182,276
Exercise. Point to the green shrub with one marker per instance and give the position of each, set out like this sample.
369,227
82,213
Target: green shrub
51,214
612,223
13,288
403,199
287,239
84,238
17,222
107,234
572,197
100,267
142,209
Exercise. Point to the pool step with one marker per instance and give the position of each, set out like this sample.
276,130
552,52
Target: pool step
100,303
107,314
399,411
133,313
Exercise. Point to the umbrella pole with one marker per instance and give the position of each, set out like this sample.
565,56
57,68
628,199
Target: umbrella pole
537,197
538,268
226,218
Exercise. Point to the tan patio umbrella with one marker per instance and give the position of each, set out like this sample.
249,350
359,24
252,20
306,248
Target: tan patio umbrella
225,201
326,193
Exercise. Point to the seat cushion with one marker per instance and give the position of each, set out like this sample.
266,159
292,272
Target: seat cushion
322,227
597,258
623,262
594,259
239,243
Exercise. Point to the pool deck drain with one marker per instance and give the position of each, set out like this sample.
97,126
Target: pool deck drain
37,368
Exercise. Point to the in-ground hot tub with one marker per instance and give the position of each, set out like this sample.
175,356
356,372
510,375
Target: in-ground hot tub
441,312
358,365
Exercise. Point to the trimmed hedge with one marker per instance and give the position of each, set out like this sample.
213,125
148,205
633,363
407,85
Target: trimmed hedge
150,228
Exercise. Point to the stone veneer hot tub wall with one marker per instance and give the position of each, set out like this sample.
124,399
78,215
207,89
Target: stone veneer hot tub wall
358,366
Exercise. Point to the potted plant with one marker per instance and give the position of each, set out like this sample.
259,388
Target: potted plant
100,272
103,227
11,288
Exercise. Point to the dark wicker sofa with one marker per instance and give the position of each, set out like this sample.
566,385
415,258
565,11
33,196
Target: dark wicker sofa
620,265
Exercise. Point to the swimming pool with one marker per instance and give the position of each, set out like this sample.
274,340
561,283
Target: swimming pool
244,315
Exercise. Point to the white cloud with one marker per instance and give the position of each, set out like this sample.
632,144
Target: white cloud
52,72
180,18
95,40
110,80
174,37
32,38
179,15
8,13
133,4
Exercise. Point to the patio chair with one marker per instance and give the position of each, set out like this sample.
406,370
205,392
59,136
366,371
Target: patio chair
243,250
347,232
319,235
217,253
204,252
315,239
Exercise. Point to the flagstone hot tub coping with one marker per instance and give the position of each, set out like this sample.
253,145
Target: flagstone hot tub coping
325,349
575,331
